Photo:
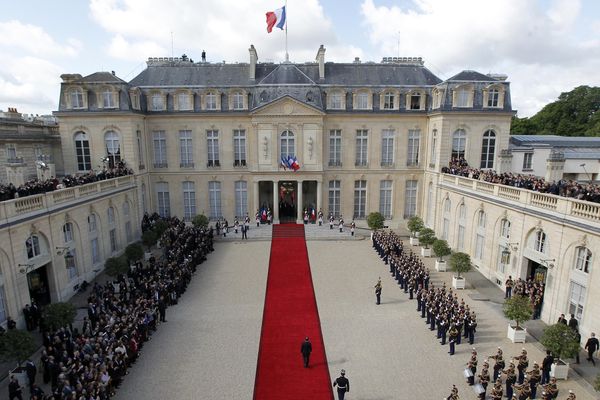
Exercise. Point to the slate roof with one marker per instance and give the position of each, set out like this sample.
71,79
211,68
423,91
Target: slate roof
102,77
286,74
468,75
555,141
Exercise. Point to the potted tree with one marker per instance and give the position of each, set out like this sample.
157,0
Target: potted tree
134,252
459,263
426,239
375,220
518,309
17,345
59,315
116,265
441,250
200,221
149,239
562,341
414,225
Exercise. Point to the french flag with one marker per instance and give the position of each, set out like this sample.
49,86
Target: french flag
276,18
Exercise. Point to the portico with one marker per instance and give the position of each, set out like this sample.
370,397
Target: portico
287,199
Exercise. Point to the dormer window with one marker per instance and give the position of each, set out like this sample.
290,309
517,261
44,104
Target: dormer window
362,100
184,101
415,101
108,99
237,101
436,95
336,100
135,100
211,101
157,102
463,97
493,96
388,100
77,98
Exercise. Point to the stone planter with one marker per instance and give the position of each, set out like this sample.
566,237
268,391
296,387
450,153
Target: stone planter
516,335
458,283
21,376
560,370
414,241
440,266
425,252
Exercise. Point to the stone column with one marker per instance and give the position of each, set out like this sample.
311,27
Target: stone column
256,205
319,200
275,210
299,207
555,166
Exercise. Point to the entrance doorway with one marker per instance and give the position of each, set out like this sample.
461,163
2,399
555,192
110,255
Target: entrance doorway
536,285
288,197
38,285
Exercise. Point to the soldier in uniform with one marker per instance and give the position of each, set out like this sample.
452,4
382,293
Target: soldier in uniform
320,217
343,385
498,363
453,394
534,378
496,392
511,378
484,379
551,389
524,390
571,395
341,224
472,365
331,219
523,363
378,291
453,335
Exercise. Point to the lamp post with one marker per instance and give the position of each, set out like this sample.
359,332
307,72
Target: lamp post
587,173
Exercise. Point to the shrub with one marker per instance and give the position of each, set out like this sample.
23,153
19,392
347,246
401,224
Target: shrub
116,265
561,340
16,345
160,227
441,249
134,252
375,220
427,237
149,238
415,224
58,315
518,308
200,221
460,262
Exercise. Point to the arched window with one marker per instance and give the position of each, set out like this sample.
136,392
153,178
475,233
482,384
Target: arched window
583,259
462,216
505,228
92,226
459,141
480,236
540,241
68,232
111,215
82,151
113,148
287,144
488,149
32,244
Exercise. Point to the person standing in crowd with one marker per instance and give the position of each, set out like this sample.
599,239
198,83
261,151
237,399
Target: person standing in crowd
523,363
452,335
591,346
378,292
562,319
14,389
31,371
546,367
511,379
245,232
331,219
573,323
509,285
305,350
352,228
472,367
343,385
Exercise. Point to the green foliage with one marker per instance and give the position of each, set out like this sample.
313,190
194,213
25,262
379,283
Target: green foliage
134,252
149,238
16,345
116,265
441,249
58,315
575,113
160,227
561,340
414,225
427,237
518,308
375,220
460,263
200,221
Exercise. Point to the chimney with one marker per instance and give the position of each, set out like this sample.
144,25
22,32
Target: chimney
253,59
203,56
321,61
113,73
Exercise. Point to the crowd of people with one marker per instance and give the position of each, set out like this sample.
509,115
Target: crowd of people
36,186
90,363
563,187
531,288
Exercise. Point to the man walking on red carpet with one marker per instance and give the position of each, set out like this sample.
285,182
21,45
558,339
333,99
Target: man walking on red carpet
306,349
343,385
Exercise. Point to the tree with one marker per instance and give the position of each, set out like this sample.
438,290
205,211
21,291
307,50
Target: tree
200,221
441,249
134,252
427,237
160,227
149,238
460,262
561,340
116,265
16,345
414,225
58,315
518,308
375,220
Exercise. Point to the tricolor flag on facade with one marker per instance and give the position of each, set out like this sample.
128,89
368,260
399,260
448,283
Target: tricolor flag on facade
284,163
276,19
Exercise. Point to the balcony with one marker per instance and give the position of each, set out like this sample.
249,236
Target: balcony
161,165
239,164
335,163
213,164
15,161
387,164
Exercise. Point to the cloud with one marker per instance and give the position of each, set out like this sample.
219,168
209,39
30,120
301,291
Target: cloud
533,45
33,39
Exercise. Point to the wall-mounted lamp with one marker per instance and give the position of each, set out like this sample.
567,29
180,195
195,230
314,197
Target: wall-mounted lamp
549,263
61,250
507,251
25,268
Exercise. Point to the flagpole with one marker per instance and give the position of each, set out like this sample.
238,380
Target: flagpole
287,57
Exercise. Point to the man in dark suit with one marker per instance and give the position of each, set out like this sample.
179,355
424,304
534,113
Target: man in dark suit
591,346
573,324
306,349
31,370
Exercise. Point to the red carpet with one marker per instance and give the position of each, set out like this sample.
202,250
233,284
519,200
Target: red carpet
289,315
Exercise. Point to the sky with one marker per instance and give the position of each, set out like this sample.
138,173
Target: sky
546,47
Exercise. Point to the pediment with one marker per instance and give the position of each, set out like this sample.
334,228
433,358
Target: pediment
287,106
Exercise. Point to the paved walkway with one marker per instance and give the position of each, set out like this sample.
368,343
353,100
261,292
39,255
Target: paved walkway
311,231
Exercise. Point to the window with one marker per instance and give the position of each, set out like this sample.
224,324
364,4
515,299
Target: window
287,144
493,97
577,300
415,101
362,101
505,229
241,198
462,212
388,100
503,261
11,151
459,141
135,100
92,227
212,143
446,221
211,101
82,152
112,234
126,210
540,241
128,233
410,202
481,219
71,264
479,246
77,98
432,156
32,245
214,199
460,240
189,200
164,203
583,259
158,102
144,203
527,161
335,147
239,148
414,140
436,95
95,251
360,198
488,149
184,101
430,205
462,97
334,198
110,213
387,147
113,148
385,198
186,149
335,100
68,232
361,147
138,136
159,140
108,99
238,101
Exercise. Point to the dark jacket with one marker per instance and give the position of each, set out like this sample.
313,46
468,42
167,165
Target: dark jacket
306,348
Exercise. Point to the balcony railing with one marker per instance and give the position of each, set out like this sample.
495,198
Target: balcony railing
15,160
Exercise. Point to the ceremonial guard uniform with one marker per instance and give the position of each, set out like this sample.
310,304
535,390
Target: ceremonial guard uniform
523,363
343,385
378,291
498,364
320,218
511,378
341,225
453,394
331,219
496,392
534,377
453,334
484,379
